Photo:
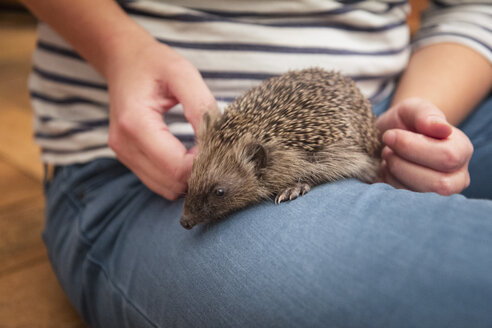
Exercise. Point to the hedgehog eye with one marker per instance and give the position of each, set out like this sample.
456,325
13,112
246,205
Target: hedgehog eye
219,192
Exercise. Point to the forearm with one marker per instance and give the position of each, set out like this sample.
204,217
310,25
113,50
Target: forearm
449,75
98,29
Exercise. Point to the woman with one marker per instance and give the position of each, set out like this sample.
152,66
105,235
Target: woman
346,254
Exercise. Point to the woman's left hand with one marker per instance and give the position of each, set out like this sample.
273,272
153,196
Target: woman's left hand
422,151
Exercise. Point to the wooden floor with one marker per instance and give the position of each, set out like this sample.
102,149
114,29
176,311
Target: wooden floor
30,295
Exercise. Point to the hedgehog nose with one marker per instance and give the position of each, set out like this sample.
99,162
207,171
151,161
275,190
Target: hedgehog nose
187,224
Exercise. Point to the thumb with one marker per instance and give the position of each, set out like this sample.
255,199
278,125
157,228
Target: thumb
424,117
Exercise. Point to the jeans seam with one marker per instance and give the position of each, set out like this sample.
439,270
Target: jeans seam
120,291
78,208
97,181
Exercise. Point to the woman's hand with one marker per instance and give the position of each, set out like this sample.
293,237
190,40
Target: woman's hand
145,80
422,151
143,85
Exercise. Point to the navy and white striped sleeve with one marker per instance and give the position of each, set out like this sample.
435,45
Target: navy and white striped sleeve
468,22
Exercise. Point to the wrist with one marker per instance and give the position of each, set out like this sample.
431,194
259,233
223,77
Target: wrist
122,48
450,76
102,36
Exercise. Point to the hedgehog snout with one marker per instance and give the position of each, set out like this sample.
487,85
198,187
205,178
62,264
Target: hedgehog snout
186,222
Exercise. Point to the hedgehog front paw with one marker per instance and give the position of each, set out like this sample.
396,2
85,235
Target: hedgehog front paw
292,193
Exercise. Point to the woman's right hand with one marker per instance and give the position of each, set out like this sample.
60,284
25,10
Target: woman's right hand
145,80
144,84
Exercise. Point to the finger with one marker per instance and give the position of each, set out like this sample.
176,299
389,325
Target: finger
153,181
153,177
193,150
160,146
166,104
187,167
170,159
388,178
164,179
194,95
153,184
445,155
423,179
422,116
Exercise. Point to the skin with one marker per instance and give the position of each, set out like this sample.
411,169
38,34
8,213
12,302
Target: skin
146,78
424,151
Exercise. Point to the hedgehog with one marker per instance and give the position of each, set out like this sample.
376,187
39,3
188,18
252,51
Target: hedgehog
278,140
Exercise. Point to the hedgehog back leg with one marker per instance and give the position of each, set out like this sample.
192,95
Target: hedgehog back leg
300,189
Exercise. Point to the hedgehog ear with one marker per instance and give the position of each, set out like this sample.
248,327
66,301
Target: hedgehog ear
257,154
208,118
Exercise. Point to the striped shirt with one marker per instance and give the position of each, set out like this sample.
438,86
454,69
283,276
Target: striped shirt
237,44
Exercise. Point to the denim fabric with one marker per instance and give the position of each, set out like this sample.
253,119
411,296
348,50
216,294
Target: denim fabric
347,254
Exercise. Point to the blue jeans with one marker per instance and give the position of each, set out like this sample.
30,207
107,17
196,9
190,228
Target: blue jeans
347,254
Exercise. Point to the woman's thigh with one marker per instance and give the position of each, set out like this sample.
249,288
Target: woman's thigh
346,254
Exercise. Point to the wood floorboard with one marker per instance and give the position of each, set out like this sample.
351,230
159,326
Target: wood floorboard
16,186
31,298
21,225
30,295
17,145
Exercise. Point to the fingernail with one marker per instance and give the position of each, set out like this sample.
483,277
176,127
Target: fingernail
389,137
437,120
193,150
385,153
